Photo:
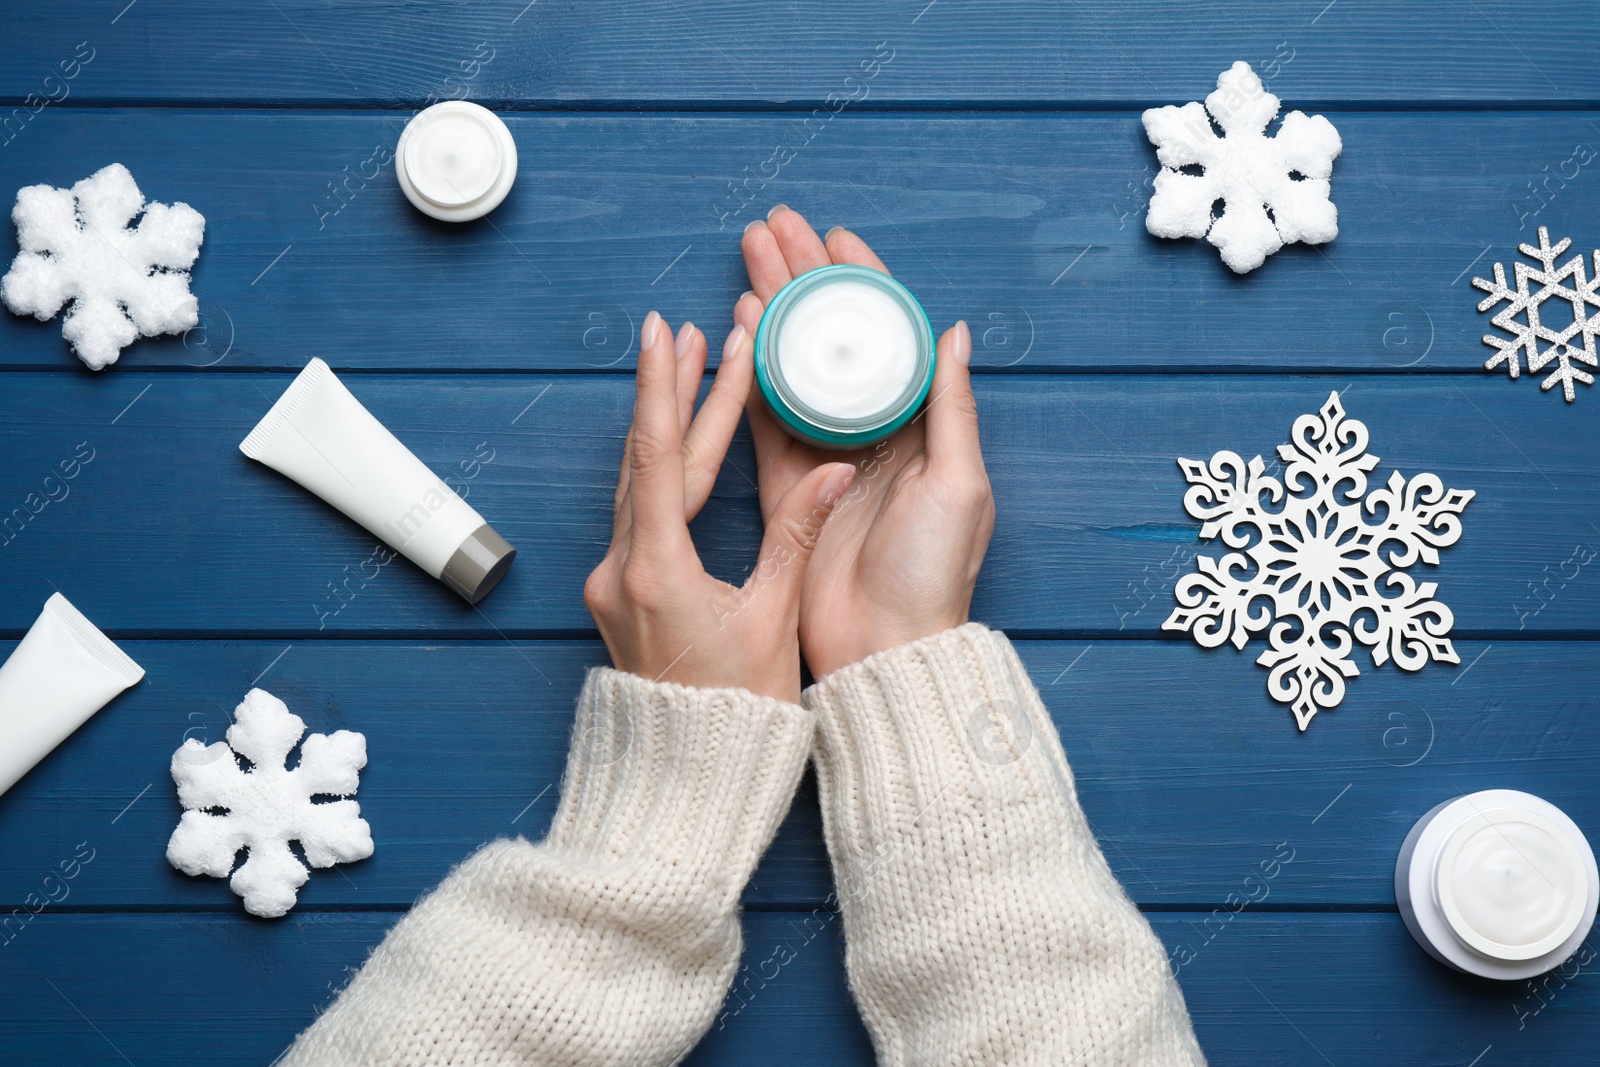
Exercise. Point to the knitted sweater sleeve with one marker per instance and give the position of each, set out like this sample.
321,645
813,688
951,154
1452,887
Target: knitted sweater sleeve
613,940
983,926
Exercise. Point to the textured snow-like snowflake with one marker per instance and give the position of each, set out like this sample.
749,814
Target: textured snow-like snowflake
1274,189
124,281
1306,549
1574,341
268,806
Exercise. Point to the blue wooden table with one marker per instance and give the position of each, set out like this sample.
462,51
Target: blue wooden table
994,157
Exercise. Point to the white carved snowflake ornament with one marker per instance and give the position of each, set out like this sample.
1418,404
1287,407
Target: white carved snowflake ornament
124,281
268,805
1573,341
1274,189
1309,565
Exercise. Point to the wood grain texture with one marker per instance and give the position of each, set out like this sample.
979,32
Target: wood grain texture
1294,988
170,529
1191,776
993,154
1029,226
565,53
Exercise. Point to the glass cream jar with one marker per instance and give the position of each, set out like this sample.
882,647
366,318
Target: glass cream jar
844,356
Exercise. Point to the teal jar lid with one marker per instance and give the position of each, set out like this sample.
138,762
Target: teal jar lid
822,428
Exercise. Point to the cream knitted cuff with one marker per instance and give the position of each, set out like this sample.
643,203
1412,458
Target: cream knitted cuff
693,779
982,923
934,725
613,941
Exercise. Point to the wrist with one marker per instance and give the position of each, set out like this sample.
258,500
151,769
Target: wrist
714,668
884,637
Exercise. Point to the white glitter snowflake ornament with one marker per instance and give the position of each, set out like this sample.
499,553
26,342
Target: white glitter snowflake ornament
1309,564
1274,189
124,281
268,805
1573,341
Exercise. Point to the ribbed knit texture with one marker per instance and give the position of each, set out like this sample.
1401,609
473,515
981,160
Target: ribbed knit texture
983,925
614,940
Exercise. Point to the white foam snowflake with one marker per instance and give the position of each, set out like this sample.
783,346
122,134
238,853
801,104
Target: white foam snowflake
1274,189
269,805
124,281
1574,341
1306,550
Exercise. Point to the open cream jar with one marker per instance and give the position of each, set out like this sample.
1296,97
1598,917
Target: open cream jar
456,161
1498,883
844,356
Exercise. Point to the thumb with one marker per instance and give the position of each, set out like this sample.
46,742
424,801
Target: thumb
952,412
793,531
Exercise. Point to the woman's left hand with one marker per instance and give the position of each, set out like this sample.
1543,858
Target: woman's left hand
661,615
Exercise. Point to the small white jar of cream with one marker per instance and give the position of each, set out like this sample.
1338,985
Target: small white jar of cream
844,356
456,161
1499,884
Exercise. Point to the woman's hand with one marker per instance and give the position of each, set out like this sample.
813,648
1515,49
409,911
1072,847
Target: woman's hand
901,554
662,616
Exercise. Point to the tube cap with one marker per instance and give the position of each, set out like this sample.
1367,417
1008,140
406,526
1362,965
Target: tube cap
479,564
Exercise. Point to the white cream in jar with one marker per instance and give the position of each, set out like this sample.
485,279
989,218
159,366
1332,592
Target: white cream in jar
844,356
1497,883
456,161
848,350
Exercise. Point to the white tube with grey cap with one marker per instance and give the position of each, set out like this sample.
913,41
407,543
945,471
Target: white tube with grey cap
322,437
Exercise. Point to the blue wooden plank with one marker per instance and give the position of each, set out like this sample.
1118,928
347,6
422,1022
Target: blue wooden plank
170,529
1295,988
1030,226
722,51
1189,774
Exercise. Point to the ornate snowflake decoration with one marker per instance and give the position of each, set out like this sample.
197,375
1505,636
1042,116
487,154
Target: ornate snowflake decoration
269,805
1573,341
123,281
1310,564
1274,189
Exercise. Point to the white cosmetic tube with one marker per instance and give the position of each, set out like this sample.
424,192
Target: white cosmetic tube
64,671
321,436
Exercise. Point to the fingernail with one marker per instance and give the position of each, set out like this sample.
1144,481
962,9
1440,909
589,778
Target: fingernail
685,335
747,292
962,349
752,224
834,486
647,332
735,344
777,208
829,235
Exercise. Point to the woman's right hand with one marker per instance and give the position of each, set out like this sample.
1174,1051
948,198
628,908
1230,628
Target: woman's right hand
900,556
